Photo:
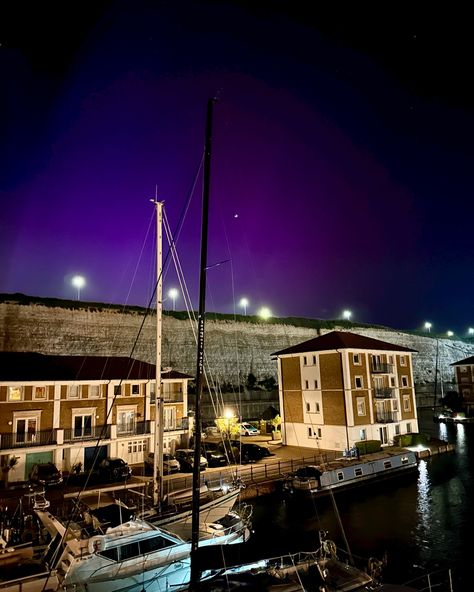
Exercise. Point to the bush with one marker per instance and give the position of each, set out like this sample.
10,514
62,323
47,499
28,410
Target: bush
368,446
405,440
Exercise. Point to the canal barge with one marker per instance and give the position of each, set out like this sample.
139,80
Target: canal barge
349,472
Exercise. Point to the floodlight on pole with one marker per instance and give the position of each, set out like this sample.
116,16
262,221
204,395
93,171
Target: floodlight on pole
244,302
428,326
470,331
173,294
347,314
449,333
265,313
78,281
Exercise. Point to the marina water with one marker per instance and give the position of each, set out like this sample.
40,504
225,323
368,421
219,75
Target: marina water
423,523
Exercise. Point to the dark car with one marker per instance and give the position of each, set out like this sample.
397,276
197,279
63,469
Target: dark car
170,464
250,452
185,457
46,474
213,454
114,469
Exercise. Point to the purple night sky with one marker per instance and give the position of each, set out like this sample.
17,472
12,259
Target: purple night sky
342,173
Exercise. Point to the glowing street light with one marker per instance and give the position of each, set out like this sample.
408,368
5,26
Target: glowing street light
244,302
470,331
346,314
173,294
265,313
428,326
78,281
449,333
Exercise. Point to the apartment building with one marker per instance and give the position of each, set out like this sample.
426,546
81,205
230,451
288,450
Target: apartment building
464,371
66,409
342,388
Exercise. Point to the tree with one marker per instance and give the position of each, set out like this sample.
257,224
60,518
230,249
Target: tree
251,382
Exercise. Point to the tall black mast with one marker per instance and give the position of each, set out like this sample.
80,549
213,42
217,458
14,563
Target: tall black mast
195,572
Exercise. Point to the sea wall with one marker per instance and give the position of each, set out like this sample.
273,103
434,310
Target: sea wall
233,349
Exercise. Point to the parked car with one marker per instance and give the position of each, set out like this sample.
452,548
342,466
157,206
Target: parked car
185,457
250,452
114,469
170,464
46,474
213,454
247,429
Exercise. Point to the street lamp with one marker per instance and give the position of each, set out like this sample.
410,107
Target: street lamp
449,333
428,326
78,281
173,294
244,302
265,313
470,331
228,416
346,314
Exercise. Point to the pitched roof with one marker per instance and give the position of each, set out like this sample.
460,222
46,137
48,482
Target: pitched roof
30,366
341,340
466,362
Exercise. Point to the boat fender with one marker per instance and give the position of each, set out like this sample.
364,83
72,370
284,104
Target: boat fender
329,548
97,544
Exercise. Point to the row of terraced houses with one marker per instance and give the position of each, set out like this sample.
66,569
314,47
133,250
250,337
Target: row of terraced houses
334,390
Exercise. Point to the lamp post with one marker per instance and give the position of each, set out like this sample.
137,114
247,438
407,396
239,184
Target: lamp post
173,294
228,415
428,326
244,303
78,281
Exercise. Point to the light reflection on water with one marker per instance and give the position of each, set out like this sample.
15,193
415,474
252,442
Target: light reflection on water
423,523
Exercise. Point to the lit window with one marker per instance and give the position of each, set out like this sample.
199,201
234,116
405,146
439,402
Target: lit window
73,391
15,393
94,391
40,393
359,382
361,406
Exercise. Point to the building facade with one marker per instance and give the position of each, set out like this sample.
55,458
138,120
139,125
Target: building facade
464,370
67,409
342,388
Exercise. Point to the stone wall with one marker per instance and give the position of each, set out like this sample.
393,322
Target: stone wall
233,349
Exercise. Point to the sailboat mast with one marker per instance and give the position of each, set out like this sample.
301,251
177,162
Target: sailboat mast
159,402
195,573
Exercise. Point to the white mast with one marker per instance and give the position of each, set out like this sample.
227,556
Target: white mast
159,401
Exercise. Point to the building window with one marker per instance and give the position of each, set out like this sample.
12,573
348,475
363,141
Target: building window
315,384
406,403
40,393
308,407
463,368
408,428
15,393
305,361
403,361
356,359
94,391
306,384
360,405
73,391
83,422
135,389
317,407
314,360
320,433
392,381
390,359
394,405
310,433
359,382
169,418
397,430
26,426
363,434
126,421
404,380
117,390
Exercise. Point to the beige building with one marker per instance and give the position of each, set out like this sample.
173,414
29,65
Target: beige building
464,370
342,388
60,408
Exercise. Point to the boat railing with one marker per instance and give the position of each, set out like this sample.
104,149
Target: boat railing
441,580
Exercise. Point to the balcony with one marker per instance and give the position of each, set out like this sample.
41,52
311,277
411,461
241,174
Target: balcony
138,428
381,368
385,417
178,426
87,433
384,393
27,440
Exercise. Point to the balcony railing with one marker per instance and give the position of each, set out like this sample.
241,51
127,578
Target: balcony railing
384,393
134,429
86,433
385,417
179,425
381,368
27,440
